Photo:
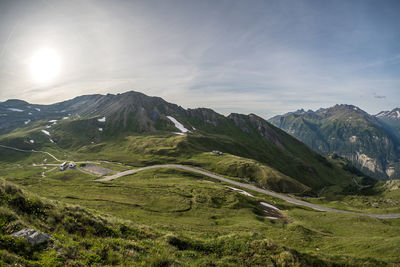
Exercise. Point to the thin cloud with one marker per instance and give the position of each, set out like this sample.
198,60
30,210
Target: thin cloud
379,96
265,58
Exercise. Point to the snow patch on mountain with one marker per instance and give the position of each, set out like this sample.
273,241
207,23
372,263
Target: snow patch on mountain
32,141
268,205
240,191
46,132
178,125
38,109
53,122
26,122
382,114
102,119
15,109
394,114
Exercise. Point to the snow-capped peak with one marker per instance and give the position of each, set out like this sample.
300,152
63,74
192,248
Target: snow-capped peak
382,114
394,114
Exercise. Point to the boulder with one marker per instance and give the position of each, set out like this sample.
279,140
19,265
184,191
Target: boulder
32,236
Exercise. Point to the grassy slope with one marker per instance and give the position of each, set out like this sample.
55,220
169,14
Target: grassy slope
208,214
81,237
286,165
384,197
215,215
295,169
194,149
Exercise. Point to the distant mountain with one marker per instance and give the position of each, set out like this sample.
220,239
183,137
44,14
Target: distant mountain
297,112
390,115
391,121
259,151
370,142
131,111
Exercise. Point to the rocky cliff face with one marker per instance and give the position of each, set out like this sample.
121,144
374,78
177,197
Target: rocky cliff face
349,132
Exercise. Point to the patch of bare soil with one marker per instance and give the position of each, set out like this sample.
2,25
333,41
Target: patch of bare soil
98,170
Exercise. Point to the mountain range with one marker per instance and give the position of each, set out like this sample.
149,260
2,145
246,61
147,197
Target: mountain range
370,142
151,183
146,129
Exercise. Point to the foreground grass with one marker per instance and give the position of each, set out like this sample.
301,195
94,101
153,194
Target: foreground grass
81,237
197,210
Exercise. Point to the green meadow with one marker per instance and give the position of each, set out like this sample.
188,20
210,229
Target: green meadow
188,219
198,209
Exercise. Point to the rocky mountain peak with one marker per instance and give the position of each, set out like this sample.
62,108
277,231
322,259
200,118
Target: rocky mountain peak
393,114
368,141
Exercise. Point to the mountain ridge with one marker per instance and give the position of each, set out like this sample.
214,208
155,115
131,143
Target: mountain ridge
369,141
98,122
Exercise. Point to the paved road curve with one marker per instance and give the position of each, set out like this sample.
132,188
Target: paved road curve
251,187
223,179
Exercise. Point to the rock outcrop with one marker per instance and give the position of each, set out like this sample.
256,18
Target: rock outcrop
32,236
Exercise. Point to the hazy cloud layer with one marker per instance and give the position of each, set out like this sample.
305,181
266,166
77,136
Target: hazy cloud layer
265,57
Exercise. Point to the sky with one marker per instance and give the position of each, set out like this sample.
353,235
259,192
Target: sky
264,57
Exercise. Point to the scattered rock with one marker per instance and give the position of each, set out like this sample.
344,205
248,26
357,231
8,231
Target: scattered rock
216,153
32,236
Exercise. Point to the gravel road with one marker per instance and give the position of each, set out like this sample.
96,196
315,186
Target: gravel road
250,187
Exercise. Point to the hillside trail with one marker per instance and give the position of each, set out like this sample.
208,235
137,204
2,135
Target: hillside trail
30,151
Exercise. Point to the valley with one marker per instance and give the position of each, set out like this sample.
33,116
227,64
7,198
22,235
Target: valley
201,177
97,170
184,203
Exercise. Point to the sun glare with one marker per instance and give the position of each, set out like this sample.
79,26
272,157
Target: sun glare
45,65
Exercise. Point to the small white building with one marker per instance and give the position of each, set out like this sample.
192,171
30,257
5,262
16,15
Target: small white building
63,166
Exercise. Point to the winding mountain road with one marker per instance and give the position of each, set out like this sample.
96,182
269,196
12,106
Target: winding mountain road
250,187
226,180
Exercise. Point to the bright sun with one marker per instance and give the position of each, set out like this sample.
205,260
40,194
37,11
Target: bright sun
45,65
